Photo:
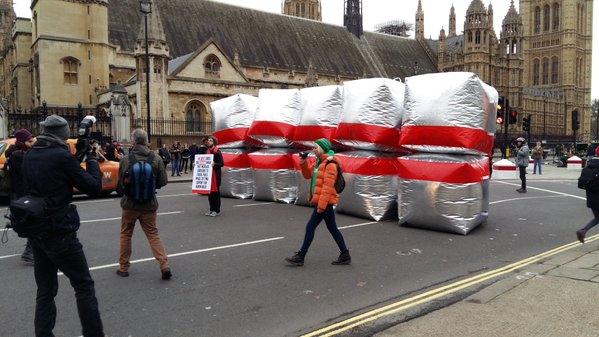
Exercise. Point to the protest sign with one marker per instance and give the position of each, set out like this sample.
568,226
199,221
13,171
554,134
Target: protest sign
202,174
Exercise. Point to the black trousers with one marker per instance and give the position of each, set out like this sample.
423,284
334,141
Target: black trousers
522,176
214,201
64,253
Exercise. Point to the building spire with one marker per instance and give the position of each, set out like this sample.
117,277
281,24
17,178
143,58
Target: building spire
352,20
452,26
419,22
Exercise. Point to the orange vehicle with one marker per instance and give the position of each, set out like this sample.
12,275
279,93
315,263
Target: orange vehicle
110,169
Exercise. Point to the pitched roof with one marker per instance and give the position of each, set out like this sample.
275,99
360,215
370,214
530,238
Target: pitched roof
264,39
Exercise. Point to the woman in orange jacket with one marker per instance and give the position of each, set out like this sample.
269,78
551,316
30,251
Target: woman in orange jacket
323,196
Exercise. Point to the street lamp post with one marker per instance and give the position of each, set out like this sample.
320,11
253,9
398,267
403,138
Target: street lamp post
146,8
544,115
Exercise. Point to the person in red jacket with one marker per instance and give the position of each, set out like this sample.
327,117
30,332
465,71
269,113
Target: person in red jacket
323,197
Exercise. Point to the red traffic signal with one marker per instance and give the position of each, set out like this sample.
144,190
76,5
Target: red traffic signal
513,117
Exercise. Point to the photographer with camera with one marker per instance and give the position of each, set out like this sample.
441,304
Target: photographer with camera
51,172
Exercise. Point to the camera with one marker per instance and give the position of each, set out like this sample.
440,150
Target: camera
304,154
85,127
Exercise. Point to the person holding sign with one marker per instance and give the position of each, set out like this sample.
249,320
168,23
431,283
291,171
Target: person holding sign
217,163
323,196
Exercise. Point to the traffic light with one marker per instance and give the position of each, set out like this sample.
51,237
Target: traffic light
500,110
513,117
575,120
526,123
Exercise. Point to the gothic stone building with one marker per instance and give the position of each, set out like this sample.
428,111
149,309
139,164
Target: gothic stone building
201,51
541,61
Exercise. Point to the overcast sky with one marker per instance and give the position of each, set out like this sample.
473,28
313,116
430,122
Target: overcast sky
436,16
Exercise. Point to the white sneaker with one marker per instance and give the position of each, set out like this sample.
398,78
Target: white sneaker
214,214
209,213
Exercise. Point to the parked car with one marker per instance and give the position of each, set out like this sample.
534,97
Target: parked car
110,169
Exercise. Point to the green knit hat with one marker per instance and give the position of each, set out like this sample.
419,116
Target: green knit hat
324,144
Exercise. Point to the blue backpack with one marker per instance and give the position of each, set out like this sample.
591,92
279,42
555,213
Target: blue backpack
140,181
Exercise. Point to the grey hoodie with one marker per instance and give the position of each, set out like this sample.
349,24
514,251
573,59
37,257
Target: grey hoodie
523,158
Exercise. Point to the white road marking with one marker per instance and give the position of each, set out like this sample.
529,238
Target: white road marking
192,252
360,224
524,198
259,204
175,195
7,256
545,190
119,218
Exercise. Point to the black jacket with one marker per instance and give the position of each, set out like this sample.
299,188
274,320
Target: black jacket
164,154
15,166
592,197
51,171
218,163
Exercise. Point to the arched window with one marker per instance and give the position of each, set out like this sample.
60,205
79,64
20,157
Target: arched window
212,64
545,71
554,70
477,37
555,16
469,36
70,67
536,72
193,117
537,19
546,18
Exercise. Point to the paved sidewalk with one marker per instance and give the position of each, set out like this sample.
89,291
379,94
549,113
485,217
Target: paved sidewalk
554,297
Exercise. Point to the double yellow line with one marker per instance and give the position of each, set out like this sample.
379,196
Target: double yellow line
396,307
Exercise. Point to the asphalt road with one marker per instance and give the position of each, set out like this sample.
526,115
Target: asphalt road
230,278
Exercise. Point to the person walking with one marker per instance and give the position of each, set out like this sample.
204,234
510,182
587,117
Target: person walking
537,156
145,212
51,171
522,161
323,197
592,196
15,153
217,163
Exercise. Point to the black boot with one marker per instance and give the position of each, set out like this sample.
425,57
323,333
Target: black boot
343,259
297,259
27,255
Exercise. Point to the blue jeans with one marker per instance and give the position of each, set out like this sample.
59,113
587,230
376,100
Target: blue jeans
539,163
175,169
64,253
593,221
329,218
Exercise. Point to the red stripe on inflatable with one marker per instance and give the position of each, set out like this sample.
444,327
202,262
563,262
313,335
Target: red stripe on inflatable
271,162
367,133
236,160
270,128
448,136
504,168
575,162
369,166
308,133
231,135
453,173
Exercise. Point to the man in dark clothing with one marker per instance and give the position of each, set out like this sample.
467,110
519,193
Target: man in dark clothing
109,151
145,212
217,163
14,154
51,172
592,197
175,152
